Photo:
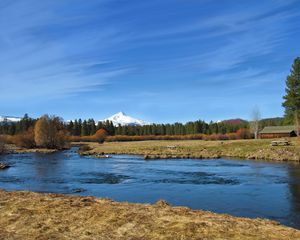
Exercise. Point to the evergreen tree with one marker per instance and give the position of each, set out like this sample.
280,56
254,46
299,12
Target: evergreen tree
99,125
84,128
79,126
70,128
92,127
76,129
292,98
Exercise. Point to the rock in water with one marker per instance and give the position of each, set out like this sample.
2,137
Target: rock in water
3,166
78,190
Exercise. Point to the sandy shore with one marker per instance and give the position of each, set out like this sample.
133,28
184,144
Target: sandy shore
27,215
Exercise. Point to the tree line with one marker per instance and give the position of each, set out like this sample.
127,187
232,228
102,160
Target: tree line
46,132
89,127
13,128
196,127
86,128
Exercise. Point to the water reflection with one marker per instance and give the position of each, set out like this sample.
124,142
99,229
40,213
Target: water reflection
294,186
47,167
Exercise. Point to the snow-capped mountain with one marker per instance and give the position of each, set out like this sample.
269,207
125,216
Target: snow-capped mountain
9,119
124,120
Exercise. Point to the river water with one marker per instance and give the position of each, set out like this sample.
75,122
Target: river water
237,187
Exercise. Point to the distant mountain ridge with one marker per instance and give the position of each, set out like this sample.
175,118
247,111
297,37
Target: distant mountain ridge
235,121
122,119
9,119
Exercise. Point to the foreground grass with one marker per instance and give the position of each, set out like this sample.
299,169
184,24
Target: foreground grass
247,149
27,215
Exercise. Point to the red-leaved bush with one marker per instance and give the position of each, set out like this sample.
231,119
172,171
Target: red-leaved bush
243,134
99,136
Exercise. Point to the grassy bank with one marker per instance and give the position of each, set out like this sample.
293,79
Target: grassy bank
12,148
26,215
246,149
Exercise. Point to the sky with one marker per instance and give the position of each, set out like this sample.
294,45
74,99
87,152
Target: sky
160,61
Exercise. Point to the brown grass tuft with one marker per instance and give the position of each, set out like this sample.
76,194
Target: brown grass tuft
26,215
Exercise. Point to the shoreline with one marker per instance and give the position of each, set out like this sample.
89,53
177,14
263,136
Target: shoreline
198,149
28,215
13,149
259,150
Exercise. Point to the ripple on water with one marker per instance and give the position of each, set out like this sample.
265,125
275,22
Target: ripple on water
10,179
102,178
202,181
181,173
197,178
223,164
54,180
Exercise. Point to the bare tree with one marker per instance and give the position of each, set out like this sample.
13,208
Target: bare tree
254,124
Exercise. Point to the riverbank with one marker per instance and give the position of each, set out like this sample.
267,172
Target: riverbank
12,148
196,149
28,215
244,149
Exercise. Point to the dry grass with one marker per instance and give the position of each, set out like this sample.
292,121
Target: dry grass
26,215
12,148
246,149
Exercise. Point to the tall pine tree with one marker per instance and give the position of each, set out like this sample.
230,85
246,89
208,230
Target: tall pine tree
292,98
84,128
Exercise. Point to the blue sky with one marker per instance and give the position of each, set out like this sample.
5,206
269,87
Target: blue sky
161,61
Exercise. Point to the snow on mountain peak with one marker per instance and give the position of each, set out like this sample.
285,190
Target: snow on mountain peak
122,119
119,114
9,119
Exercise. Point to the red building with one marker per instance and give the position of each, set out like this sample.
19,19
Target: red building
278,132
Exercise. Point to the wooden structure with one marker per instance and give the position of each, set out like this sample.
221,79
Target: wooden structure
278,132
280,142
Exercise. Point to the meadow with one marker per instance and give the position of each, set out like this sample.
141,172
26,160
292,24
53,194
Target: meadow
260,149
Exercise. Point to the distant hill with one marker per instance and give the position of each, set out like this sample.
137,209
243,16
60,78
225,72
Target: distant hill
275,121
236,121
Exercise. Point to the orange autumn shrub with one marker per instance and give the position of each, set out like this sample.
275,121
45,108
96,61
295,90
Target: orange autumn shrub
24,139
100,135
120,138
243,134
49,133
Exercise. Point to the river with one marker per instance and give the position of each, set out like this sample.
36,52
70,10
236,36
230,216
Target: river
237,187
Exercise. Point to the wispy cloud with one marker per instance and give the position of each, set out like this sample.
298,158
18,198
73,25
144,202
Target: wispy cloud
142,52
221,40
40,56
